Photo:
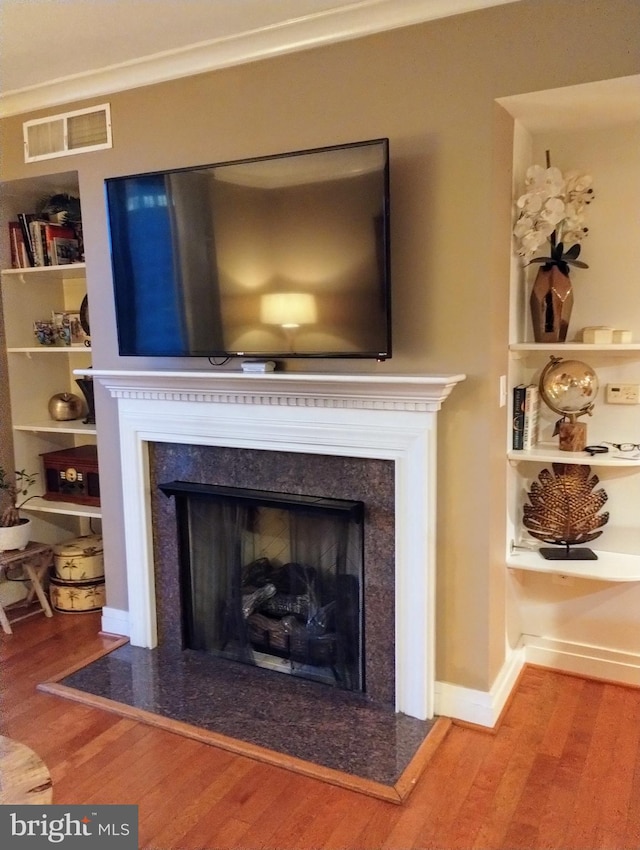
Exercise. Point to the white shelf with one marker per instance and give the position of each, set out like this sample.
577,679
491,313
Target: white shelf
44,506
71,270
50,349
550,453
610,566
70,426
558,347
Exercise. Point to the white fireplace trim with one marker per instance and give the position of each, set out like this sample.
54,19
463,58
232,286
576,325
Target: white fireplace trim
386,417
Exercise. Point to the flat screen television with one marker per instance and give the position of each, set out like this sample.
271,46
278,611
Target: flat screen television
272,257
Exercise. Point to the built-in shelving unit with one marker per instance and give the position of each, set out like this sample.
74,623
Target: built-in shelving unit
604,294
37,372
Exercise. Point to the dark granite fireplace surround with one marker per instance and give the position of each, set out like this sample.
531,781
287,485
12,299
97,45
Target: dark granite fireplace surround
355,734
359,479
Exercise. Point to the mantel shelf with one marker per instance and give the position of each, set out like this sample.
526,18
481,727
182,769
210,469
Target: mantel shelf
550,453
610,566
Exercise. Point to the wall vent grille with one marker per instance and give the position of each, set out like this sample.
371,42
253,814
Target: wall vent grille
69,133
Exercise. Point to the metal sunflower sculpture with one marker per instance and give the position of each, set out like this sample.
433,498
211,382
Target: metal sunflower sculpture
564,510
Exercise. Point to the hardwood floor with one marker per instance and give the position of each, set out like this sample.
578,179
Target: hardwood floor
562,771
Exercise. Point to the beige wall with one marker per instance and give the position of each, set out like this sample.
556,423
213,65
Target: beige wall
431,90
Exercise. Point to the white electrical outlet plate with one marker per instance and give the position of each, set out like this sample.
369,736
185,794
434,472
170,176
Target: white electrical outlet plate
623,394
503,390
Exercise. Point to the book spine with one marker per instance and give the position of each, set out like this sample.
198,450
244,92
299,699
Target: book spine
23,220
15,237
519,395
531,413
38,243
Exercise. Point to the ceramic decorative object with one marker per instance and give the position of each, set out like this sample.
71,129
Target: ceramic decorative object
15,536
15,531
551,304
45,332
65,406
86,386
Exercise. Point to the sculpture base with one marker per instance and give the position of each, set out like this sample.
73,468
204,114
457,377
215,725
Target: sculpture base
566,553
573,436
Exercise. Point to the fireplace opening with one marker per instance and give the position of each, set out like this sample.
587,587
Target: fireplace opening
273,580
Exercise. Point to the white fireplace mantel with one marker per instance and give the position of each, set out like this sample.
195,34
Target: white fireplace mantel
390,417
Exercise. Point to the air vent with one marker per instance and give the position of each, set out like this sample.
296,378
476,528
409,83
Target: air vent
69,133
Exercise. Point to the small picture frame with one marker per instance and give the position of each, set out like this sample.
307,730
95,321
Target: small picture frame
64,251
78,335
61,327
69,328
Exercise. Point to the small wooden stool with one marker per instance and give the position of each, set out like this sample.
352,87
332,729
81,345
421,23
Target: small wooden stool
34,561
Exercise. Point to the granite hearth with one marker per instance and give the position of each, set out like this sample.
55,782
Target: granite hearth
334,735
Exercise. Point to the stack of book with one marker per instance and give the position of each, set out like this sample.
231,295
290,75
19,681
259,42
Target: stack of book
36,241
526,412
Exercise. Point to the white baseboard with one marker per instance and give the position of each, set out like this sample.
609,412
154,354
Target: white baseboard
582,659
480,707
115,621
484,707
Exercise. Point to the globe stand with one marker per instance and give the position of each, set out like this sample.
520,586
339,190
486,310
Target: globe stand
568,554
572,436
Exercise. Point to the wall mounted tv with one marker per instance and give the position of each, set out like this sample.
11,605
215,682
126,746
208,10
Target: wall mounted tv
272,257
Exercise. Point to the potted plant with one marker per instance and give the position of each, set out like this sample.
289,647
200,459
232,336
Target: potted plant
552,209
62,207
15,531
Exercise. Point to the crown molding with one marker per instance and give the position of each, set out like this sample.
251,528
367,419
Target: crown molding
341,24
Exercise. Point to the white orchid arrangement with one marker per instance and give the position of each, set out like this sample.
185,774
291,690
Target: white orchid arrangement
553,208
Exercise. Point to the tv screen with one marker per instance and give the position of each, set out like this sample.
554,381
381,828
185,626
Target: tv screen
272,257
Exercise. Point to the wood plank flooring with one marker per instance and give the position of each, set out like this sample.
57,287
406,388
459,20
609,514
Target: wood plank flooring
562,771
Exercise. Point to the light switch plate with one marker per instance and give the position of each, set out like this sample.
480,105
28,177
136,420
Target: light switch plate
623,394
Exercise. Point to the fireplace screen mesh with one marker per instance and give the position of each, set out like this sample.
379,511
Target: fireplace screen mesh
273,580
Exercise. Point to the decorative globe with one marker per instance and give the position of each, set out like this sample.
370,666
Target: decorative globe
569,387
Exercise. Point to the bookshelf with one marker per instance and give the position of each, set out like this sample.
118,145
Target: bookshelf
37,372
